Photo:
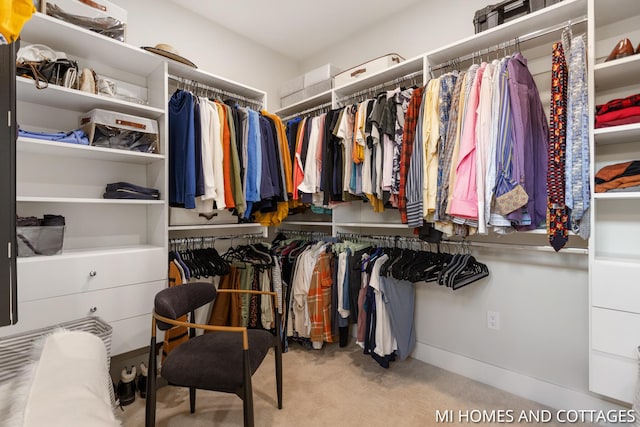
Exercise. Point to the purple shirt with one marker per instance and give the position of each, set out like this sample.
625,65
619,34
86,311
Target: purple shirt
530,133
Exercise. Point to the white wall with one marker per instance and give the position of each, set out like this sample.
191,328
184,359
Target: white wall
211,47
413,31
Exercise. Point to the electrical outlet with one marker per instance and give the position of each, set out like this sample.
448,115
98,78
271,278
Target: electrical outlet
493,320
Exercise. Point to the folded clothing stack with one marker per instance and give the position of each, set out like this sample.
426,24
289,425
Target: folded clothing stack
618,112
76,136
126,190
619,177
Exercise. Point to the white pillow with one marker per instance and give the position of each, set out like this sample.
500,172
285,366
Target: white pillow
67,387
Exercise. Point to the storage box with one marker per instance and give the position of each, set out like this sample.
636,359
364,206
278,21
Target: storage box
367,68
111,129
290,86
39,240
101,16
320,74
494,15
307,92
16,350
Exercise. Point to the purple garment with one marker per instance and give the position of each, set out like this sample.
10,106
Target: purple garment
530,130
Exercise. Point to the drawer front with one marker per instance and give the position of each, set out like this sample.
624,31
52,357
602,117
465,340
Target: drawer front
109,304
615,285
38,278
131,334
615,332
613,376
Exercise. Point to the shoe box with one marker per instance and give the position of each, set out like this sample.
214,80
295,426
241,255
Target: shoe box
493,15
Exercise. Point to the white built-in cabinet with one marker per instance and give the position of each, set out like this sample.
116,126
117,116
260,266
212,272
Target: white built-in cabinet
114,258
614,252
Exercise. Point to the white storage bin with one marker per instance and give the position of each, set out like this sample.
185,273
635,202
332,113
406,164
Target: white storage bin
320,74
97,10
367,68
111,129
290,86
307,92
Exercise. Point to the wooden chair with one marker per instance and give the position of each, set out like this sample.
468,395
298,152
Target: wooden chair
221,360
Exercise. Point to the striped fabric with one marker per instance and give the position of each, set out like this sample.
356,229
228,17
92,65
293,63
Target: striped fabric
410,124
413,188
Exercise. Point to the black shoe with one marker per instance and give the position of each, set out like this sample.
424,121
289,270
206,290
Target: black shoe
127,386
142,380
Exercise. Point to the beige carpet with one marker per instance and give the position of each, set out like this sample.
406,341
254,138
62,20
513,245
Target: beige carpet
337,387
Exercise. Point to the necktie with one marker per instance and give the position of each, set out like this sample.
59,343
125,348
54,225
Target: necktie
557,216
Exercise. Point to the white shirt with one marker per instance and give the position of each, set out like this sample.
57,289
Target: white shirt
385,340
483,142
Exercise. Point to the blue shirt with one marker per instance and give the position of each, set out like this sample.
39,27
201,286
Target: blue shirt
182,163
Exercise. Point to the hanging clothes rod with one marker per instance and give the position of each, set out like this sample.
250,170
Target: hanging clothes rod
201,86
376,88
321,107
211,239
503,46
465,243
304,233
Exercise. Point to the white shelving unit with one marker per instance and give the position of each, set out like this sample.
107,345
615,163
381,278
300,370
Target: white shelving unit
114,252
614,255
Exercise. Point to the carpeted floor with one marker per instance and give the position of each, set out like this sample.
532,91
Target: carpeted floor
341,387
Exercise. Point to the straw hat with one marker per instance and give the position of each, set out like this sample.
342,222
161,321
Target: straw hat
170,52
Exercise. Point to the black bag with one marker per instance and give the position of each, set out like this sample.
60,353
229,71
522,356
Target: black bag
62,72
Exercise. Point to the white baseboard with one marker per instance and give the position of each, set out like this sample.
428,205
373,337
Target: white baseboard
543,392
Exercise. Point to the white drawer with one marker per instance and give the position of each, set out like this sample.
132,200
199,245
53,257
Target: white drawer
615,332
110,304
40,277
613,376
615,285
131,334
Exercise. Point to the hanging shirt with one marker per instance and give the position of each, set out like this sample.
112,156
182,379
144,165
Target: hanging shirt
254,161
430,137
483,142
182,168
464,202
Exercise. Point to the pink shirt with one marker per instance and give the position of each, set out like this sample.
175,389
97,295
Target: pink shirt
464,203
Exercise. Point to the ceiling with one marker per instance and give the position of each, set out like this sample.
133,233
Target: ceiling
297,29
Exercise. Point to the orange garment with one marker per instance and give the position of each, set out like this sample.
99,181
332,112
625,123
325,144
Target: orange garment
178,334
227,306
226,154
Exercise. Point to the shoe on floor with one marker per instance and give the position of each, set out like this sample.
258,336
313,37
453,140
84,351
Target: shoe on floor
127,386
142,380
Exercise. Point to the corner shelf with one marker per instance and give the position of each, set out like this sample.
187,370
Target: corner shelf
54,148
86,200
608,75
617,134
77,100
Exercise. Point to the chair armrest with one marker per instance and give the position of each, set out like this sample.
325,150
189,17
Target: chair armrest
237,329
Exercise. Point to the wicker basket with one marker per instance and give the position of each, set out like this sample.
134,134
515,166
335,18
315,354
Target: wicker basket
16,349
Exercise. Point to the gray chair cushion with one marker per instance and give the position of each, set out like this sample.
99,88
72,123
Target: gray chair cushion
213,361
177,301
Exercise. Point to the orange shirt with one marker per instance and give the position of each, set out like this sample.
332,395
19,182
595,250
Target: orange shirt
226,163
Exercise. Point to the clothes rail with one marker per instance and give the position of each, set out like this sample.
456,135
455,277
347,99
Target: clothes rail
321,108
204,240
400,240
192,84
510,43
374,89
302,233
